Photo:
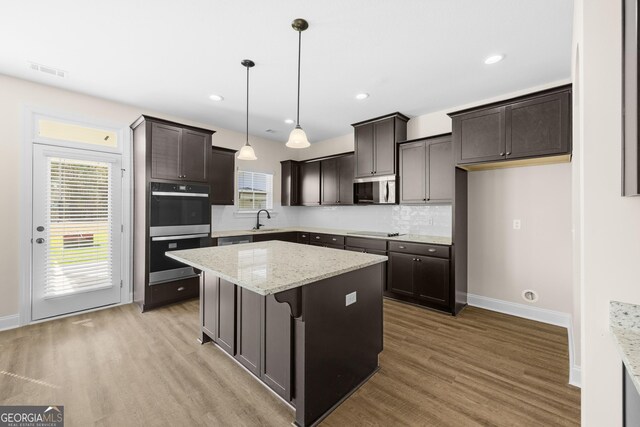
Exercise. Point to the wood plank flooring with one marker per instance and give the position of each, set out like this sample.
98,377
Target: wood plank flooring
118,367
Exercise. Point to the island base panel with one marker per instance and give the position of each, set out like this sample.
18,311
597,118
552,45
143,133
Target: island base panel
336,345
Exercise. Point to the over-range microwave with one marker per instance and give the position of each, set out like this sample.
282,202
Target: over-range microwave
375,190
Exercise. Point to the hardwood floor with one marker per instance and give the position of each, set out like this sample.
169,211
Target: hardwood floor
118,367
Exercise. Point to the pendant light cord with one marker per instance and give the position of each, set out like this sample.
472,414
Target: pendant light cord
299,54
247,105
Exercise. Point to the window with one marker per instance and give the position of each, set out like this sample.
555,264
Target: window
255,191
63,131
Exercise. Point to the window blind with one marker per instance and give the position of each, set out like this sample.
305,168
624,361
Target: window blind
255,191
79,248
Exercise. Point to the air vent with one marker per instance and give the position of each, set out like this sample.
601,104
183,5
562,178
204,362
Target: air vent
47,70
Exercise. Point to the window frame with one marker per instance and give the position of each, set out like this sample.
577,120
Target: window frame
270,195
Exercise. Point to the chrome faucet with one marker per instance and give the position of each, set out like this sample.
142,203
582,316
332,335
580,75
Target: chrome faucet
258,225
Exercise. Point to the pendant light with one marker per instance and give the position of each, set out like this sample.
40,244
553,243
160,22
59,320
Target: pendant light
297,137
246,152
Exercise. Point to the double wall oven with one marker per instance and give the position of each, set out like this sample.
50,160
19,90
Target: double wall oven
179,218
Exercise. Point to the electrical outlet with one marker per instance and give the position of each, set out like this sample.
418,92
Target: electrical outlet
516,224
350,299
430,221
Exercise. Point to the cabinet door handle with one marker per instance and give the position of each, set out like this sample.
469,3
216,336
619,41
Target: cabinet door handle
508,153
501,153
418,259
401,247
431,250
318,237
414,259
181,288
334,239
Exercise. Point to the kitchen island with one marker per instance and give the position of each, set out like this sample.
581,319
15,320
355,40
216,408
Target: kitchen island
305,320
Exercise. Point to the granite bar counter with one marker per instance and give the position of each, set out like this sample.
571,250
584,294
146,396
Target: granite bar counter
305,320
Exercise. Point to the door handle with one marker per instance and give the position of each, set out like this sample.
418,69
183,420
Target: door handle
40,228
180,289
39,240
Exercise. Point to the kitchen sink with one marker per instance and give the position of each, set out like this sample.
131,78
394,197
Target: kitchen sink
264,230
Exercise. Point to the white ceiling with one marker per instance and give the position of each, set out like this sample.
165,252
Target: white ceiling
412,56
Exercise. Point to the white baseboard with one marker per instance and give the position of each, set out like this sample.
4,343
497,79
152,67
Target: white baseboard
521,310
9,322
543,315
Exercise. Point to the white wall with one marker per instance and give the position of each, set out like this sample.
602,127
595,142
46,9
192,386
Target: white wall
16,95
610,246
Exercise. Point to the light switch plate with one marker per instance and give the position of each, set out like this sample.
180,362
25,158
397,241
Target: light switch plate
517,224
350,299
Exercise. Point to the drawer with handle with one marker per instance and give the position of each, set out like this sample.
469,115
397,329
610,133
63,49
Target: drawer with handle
360,242
330,239
175,291
303,237
420,249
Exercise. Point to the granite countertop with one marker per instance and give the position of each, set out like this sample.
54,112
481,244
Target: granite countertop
274,266
624,322
414,238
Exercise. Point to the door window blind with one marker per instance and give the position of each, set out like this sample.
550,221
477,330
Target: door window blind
79,248
255,191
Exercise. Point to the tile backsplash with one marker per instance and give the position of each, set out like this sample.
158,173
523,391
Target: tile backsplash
433,220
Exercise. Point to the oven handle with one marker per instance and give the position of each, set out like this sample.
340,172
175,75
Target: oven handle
182,237
171,194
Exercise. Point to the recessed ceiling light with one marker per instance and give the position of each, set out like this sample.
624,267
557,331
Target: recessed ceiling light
493,59
362,96
289,121
215,97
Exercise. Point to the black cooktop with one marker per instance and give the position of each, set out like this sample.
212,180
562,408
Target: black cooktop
376,233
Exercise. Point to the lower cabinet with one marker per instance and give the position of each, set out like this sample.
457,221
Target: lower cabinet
419,279
285,237
256,330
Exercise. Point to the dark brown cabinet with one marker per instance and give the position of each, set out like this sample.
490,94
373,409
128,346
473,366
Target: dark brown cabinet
337,176
277,329
225,333
255,329
426,170
531,126
285,237
164,152
222,173
375,144
310,184
249,325
179,154
290,184
421,274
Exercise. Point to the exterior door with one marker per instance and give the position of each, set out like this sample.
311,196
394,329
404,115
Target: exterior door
76,235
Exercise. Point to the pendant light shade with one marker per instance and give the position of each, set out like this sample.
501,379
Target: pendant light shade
297,137
246,152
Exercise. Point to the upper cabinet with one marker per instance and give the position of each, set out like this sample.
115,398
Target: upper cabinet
310,183
222,173
290,185
337,176
178,152
426,170
525,128
375,144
